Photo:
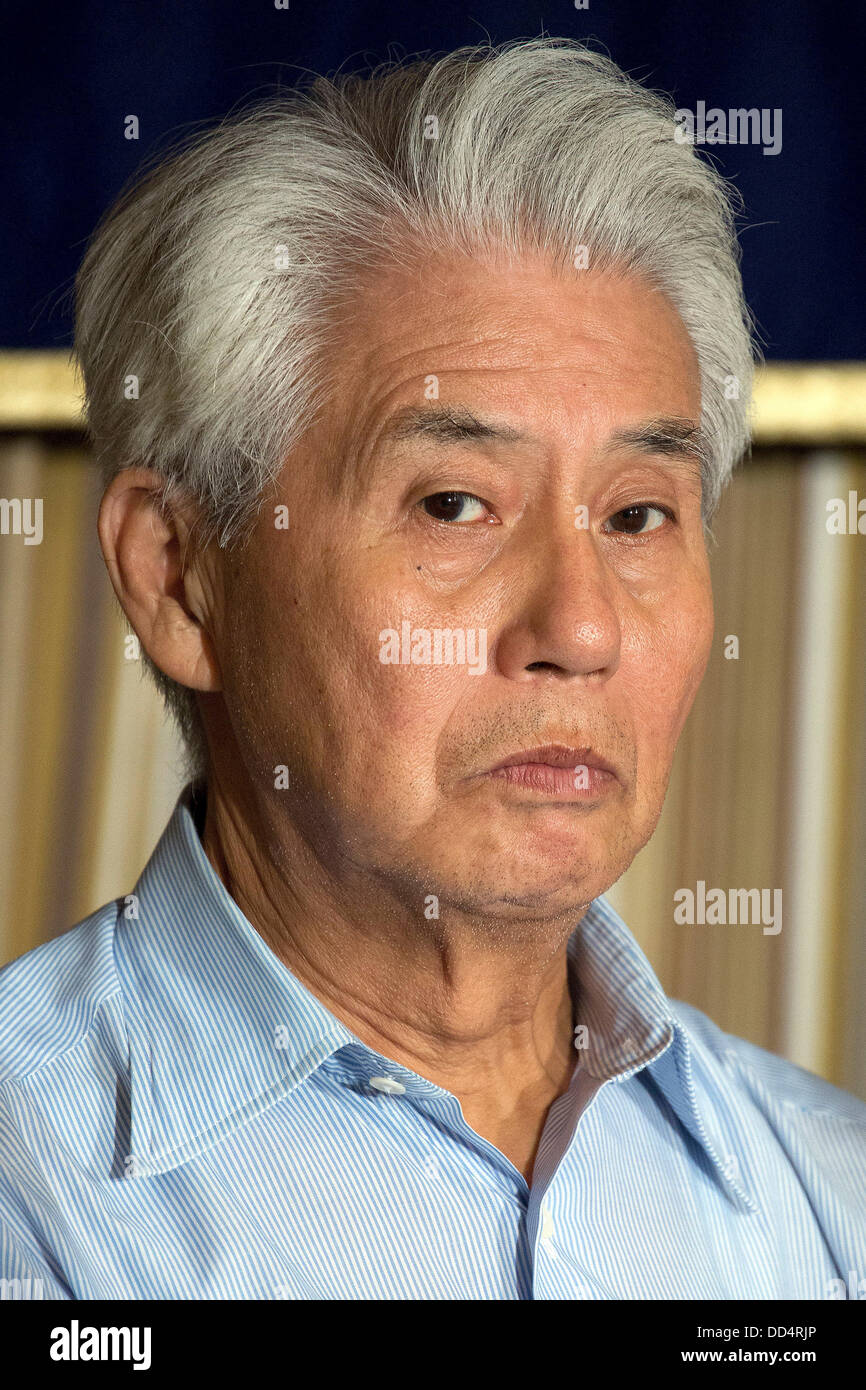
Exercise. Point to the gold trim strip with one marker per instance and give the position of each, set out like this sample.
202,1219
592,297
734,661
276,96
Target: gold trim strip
795,402
39,391
810,403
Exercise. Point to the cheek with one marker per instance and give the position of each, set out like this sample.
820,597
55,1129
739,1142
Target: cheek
667,656
308,669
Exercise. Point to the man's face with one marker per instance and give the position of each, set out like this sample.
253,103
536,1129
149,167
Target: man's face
586,621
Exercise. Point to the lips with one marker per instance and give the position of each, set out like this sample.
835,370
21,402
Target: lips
557,755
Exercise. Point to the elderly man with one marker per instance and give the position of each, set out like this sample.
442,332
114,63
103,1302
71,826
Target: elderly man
415,396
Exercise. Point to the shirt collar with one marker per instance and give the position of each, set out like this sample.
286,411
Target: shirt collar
630,1027
220,1029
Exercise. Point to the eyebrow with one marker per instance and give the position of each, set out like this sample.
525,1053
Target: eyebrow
445,424
672,436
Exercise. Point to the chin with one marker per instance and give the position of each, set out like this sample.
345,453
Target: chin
529,888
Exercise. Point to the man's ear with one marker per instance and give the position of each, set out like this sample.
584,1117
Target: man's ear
169,589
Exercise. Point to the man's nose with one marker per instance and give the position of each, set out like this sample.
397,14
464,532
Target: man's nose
563,616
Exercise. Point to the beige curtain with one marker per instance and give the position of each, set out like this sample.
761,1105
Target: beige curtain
767,789
88,759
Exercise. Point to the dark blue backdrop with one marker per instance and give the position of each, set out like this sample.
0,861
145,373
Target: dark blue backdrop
77,69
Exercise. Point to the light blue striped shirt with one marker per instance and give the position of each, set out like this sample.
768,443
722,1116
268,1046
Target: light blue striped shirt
180,1118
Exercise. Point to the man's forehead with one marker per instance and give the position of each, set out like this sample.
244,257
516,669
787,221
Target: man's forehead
525,314
555,384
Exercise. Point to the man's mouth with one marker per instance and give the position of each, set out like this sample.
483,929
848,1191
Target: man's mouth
557,769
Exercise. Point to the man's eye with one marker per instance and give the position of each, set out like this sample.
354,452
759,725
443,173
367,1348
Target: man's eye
634,519
454,506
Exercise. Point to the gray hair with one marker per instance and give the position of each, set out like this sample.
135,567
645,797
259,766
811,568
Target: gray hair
217,278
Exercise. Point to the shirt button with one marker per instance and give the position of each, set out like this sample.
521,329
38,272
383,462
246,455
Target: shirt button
547,1226
387,1084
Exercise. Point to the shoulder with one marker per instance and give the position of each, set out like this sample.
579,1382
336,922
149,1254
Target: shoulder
769,1079
51,996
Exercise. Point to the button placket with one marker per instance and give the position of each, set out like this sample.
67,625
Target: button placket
548,1231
